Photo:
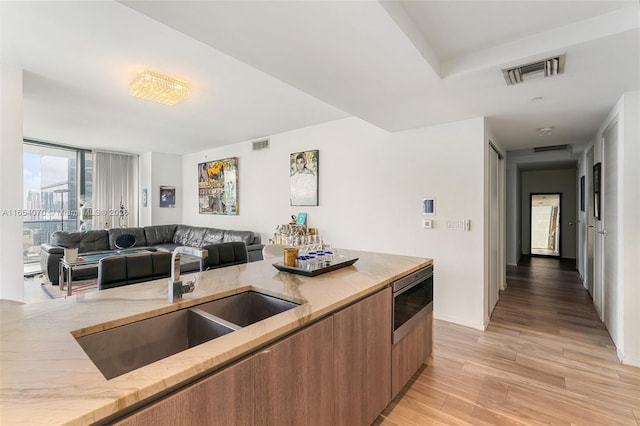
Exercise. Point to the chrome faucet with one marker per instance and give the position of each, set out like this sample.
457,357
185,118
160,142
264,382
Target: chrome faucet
176,288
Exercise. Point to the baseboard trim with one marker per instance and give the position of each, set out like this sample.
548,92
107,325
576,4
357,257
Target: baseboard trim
631,360
470,324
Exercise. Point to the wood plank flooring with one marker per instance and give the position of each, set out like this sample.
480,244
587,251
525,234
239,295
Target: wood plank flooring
545,358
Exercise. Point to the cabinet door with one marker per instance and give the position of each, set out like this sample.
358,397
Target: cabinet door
362,345
294,379
225,398
411,352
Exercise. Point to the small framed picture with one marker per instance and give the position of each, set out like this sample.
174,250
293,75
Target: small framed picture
168,196
301,219
429,206
597,169
582,194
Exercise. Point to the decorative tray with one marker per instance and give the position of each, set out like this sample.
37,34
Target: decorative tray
313,272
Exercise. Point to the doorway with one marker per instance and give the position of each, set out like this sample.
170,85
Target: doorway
545,224
590,230
496,207
608,237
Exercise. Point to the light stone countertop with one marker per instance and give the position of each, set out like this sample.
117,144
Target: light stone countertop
47,379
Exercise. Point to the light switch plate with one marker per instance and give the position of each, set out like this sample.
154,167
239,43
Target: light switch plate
427,223
459,225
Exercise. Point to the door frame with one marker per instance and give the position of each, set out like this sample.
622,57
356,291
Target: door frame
559,194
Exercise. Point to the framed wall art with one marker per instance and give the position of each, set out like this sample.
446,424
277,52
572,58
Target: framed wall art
218,187
582,193
303,173
168,196
596,189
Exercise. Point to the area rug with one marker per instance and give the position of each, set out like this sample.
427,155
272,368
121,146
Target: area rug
78,287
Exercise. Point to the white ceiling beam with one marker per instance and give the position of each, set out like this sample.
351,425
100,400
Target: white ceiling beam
399,14
548,42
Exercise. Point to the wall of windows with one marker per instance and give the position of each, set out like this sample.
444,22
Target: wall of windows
57,187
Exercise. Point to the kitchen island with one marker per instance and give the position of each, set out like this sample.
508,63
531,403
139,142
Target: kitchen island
47,378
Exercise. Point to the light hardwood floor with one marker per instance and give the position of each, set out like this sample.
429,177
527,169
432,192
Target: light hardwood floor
544,359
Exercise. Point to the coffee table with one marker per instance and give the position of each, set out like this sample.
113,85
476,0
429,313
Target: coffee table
88,261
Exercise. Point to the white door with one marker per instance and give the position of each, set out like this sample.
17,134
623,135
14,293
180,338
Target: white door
611,306
590,225
494,229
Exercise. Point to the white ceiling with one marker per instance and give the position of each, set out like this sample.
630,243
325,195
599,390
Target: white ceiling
265,67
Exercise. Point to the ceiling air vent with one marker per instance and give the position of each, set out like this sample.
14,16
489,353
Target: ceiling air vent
261,144
544,68
550,148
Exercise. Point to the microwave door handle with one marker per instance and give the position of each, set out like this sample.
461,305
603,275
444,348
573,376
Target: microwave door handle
409,287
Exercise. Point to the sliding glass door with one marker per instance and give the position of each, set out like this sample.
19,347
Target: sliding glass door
57,181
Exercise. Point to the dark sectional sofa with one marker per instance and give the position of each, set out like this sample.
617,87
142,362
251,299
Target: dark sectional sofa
157,237
116,271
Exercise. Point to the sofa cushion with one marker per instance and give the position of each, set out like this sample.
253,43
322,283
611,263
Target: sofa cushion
95,240
213,236
161,261
138,233
159,234
112,272
242,236
191,236
224,254
166,247
125,241
139,267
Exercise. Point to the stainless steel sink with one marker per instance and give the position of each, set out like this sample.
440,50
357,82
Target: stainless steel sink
128,347
246,308
122,349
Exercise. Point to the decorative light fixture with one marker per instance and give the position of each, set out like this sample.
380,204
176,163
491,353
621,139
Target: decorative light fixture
159,88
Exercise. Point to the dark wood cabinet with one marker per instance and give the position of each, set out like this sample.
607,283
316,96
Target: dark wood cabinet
294,379
224,398
411,352
334,372
362,354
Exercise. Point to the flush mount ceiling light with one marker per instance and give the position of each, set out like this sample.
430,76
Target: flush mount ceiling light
159,88
545,68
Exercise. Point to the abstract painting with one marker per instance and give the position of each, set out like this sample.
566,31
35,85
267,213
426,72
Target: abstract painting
218,187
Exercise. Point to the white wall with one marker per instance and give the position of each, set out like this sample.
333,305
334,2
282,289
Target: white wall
626,334
489,137
630,218
11,279
371,188
512,213
158,169
547,181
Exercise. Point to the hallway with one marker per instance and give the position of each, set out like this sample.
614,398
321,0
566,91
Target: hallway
545,358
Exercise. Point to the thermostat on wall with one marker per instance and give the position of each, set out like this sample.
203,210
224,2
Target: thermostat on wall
429,206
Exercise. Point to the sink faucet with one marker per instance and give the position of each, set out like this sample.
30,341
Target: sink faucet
176,288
